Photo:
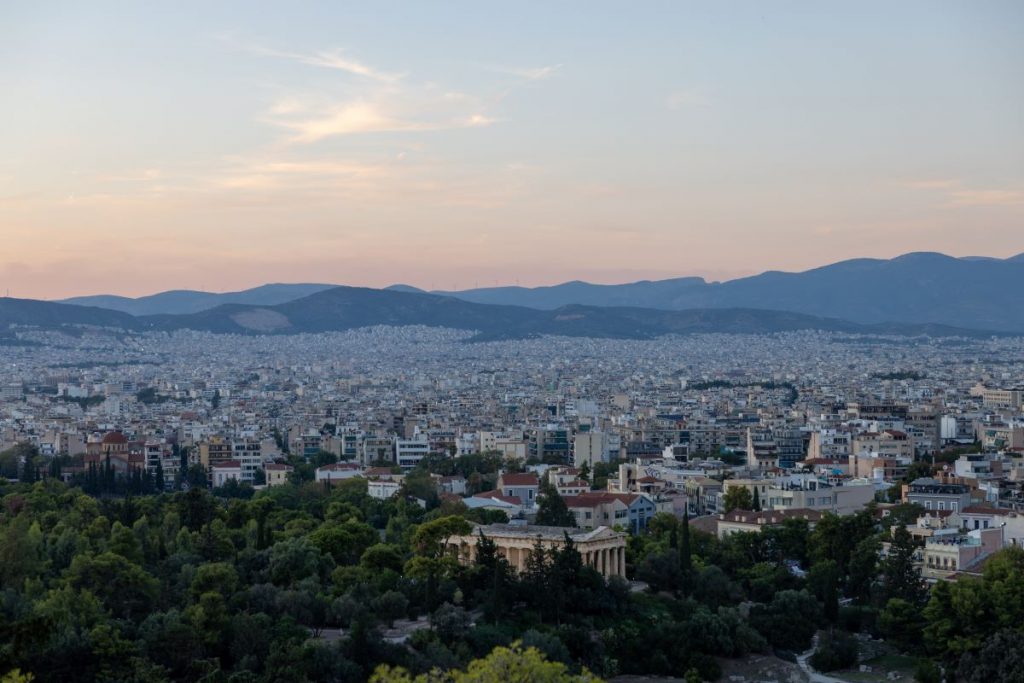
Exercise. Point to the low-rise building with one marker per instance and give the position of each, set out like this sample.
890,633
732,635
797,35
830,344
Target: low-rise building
277,473
738,521
337,471
225,471
949,552
522,486
933,495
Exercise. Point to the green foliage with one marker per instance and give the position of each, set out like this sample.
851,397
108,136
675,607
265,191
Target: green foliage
900,577
836,537
836,650
962,617
789,621
738,498
504,664
901,623
999,660
191,586
551,508
899,375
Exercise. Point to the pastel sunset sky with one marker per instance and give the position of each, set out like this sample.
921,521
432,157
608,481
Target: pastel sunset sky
221,145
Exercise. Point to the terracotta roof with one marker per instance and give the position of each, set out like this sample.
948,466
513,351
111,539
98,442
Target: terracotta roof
581,502
228,465
526,479
985,510
114,437
708,524
766,517
589,499
338,467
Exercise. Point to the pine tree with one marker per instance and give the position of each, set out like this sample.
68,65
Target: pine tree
901,578
552,510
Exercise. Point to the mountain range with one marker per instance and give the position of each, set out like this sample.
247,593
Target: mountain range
976,292
922,288
345,308
180,301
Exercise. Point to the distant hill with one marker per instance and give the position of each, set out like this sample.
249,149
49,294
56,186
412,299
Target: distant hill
915,294
972,292
188,301
51,315
344,308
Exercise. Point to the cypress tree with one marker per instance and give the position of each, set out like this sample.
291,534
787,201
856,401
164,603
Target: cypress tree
832,599
28,474
108,474
757,500
686,553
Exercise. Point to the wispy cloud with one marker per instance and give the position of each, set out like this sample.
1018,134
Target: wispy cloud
334,58
378,101
958,193
987,198
395,111
345,119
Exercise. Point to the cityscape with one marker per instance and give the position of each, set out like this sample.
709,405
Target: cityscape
760,422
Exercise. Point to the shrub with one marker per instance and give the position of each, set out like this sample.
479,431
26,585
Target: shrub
836,650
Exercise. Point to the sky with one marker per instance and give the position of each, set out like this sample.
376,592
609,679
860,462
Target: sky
221,145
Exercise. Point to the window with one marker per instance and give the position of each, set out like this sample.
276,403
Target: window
942,505
927,505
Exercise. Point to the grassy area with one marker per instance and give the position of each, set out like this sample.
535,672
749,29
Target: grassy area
881,666
893,662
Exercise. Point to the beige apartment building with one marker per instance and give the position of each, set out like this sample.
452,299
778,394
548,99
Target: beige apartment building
890,443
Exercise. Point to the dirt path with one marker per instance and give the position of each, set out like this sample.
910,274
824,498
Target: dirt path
813,675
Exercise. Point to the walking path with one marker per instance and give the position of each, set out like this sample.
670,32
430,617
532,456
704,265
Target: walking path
812,675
